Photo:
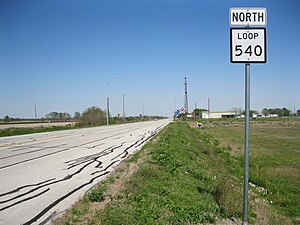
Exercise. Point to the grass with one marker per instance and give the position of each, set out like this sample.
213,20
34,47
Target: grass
187,175
20,131
96,195
274,159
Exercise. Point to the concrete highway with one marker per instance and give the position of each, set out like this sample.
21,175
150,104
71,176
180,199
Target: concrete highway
44,174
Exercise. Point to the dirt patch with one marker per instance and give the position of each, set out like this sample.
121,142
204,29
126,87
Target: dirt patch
232,221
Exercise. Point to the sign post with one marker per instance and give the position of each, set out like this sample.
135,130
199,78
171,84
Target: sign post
247,135
247,45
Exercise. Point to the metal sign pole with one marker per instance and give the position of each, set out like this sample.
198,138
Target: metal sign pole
247,132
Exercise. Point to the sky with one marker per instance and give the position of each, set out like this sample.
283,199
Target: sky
60,55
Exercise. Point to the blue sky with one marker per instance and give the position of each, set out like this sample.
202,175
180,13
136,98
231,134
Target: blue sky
59,55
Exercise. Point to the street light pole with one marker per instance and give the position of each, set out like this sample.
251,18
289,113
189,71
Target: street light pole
107,99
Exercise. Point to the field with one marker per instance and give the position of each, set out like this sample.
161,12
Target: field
274,160
187,175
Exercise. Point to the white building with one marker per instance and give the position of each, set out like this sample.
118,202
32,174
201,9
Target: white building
218,115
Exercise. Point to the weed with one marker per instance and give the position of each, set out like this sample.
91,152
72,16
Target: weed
96,194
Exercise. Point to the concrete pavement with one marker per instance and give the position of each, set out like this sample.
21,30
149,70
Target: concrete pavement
44,174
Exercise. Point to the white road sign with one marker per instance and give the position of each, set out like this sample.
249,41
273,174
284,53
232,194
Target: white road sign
248,45
248,16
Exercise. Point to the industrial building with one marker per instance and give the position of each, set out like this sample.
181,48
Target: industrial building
218,115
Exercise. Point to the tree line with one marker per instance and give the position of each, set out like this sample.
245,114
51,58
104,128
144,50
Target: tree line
279,112
95,116
60,116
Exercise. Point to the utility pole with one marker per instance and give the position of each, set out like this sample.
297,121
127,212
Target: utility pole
107,110
185,95
107,99
208,107
35,112
123,107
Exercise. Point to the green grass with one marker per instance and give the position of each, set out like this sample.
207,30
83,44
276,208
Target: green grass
96,195
76,215
21,131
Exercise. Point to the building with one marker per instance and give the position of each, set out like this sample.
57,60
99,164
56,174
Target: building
218,115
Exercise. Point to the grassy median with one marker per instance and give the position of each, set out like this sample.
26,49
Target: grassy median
32,130
187,175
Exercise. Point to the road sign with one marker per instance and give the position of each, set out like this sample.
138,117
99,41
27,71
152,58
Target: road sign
248,17
182,110
248,45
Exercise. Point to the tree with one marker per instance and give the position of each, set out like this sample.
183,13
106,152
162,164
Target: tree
238,111
58,116
285,112
198,112
265,112
93,116
278,112
6,119
77,115
52,115
298,112
251,112
67,116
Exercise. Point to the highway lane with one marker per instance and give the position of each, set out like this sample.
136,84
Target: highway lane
44,174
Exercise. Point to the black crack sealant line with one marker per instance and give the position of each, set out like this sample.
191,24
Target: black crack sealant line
25,186
25,199
92,160
17,149
75,162
125,152
69,176
110,165
62,150
44,184
45,155
29,152
142,141
94,146
49,207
